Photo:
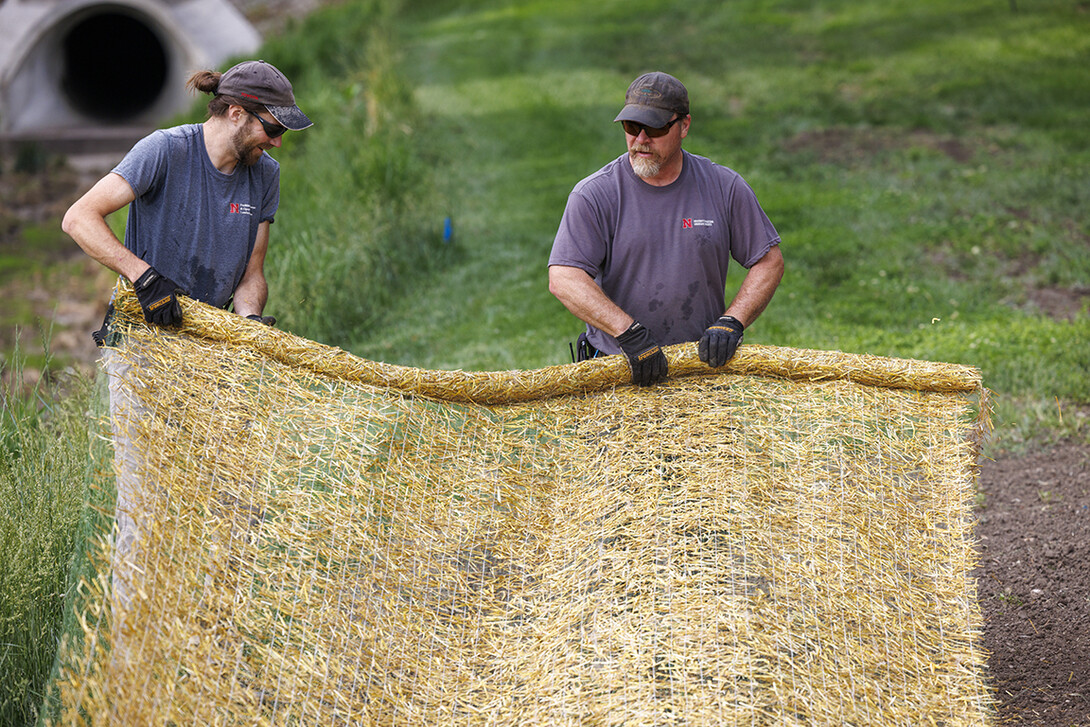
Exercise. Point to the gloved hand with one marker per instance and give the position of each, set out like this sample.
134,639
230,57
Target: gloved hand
720,341
267,320
645,357
158,297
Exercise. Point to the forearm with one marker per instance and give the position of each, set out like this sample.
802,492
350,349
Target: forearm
757,288
251,295
85,222
102,245
586,301
252,292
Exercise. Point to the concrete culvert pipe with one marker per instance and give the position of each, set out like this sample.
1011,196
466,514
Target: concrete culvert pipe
106,46
93,70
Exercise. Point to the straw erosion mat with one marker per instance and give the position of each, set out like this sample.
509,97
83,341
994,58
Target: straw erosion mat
328,540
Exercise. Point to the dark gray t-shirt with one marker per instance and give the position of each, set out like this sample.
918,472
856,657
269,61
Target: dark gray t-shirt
190,221
661,253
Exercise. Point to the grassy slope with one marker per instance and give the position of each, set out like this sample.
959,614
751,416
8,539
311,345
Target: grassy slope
920,161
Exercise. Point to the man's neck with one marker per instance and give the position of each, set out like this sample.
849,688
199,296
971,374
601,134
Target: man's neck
217,142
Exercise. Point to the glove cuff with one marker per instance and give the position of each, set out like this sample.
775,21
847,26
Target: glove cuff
633,331
729,323
150,276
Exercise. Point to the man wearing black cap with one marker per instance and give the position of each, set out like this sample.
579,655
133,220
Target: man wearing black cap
201,198
642,251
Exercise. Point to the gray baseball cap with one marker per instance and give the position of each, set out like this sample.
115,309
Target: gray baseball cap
653,99
262,82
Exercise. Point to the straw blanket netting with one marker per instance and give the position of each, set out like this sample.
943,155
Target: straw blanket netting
333,541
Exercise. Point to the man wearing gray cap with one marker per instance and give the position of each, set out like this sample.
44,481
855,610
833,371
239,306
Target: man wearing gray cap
643,247
201,199
201,196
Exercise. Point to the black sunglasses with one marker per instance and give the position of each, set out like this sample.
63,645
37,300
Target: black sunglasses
271,130
633,129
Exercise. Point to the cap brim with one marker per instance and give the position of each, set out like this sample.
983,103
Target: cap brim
290,117
656,118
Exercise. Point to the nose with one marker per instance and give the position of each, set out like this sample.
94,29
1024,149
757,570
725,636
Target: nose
277,140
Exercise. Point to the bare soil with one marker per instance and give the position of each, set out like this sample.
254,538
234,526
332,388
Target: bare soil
1033,518
1033,584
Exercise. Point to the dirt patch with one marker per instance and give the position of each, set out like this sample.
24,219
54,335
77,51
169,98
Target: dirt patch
850,146
1034,584
53,294
1060,303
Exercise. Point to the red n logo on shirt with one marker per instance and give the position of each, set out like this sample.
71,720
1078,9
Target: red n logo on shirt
234,209
686,223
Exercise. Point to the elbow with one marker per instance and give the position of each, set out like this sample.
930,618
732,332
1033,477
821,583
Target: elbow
556,285
68,222
74,222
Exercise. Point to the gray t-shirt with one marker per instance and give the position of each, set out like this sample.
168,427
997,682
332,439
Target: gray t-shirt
190,221
661,253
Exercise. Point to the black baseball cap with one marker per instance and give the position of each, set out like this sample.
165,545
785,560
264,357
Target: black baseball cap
262,82
653,99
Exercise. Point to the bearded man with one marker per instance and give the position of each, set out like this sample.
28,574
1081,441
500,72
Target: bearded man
644,244
201,196
201,199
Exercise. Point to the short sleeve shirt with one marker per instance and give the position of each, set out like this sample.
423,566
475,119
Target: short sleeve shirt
662,253
190,221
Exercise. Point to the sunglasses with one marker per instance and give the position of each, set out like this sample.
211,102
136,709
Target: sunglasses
633,129
271,130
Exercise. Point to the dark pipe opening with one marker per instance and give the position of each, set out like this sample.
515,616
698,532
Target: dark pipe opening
115,66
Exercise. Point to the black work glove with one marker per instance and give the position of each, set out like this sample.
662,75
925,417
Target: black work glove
720,341
267,320
645,357
158,297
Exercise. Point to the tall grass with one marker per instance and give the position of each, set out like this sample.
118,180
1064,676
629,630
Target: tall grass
359,215
45,456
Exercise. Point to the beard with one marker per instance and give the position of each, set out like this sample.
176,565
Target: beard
643,167
247,151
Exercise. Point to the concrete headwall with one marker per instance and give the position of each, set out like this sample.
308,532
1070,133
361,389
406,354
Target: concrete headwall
86,67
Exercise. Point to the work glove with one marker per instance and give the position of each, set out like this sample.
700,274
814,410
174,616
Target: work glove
720,341
645,357
158,297
267,320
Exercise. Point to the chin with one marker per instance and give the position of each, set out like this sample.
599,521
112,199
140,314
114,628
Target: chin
645,168
251,159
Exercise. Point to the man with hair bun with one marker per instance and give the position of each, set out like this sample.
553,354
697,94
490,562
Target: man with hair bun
201,199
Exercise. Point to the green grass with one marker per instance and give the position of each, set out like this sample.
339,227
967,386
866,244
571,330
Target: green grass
42,262
921,160
357,221
45,460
